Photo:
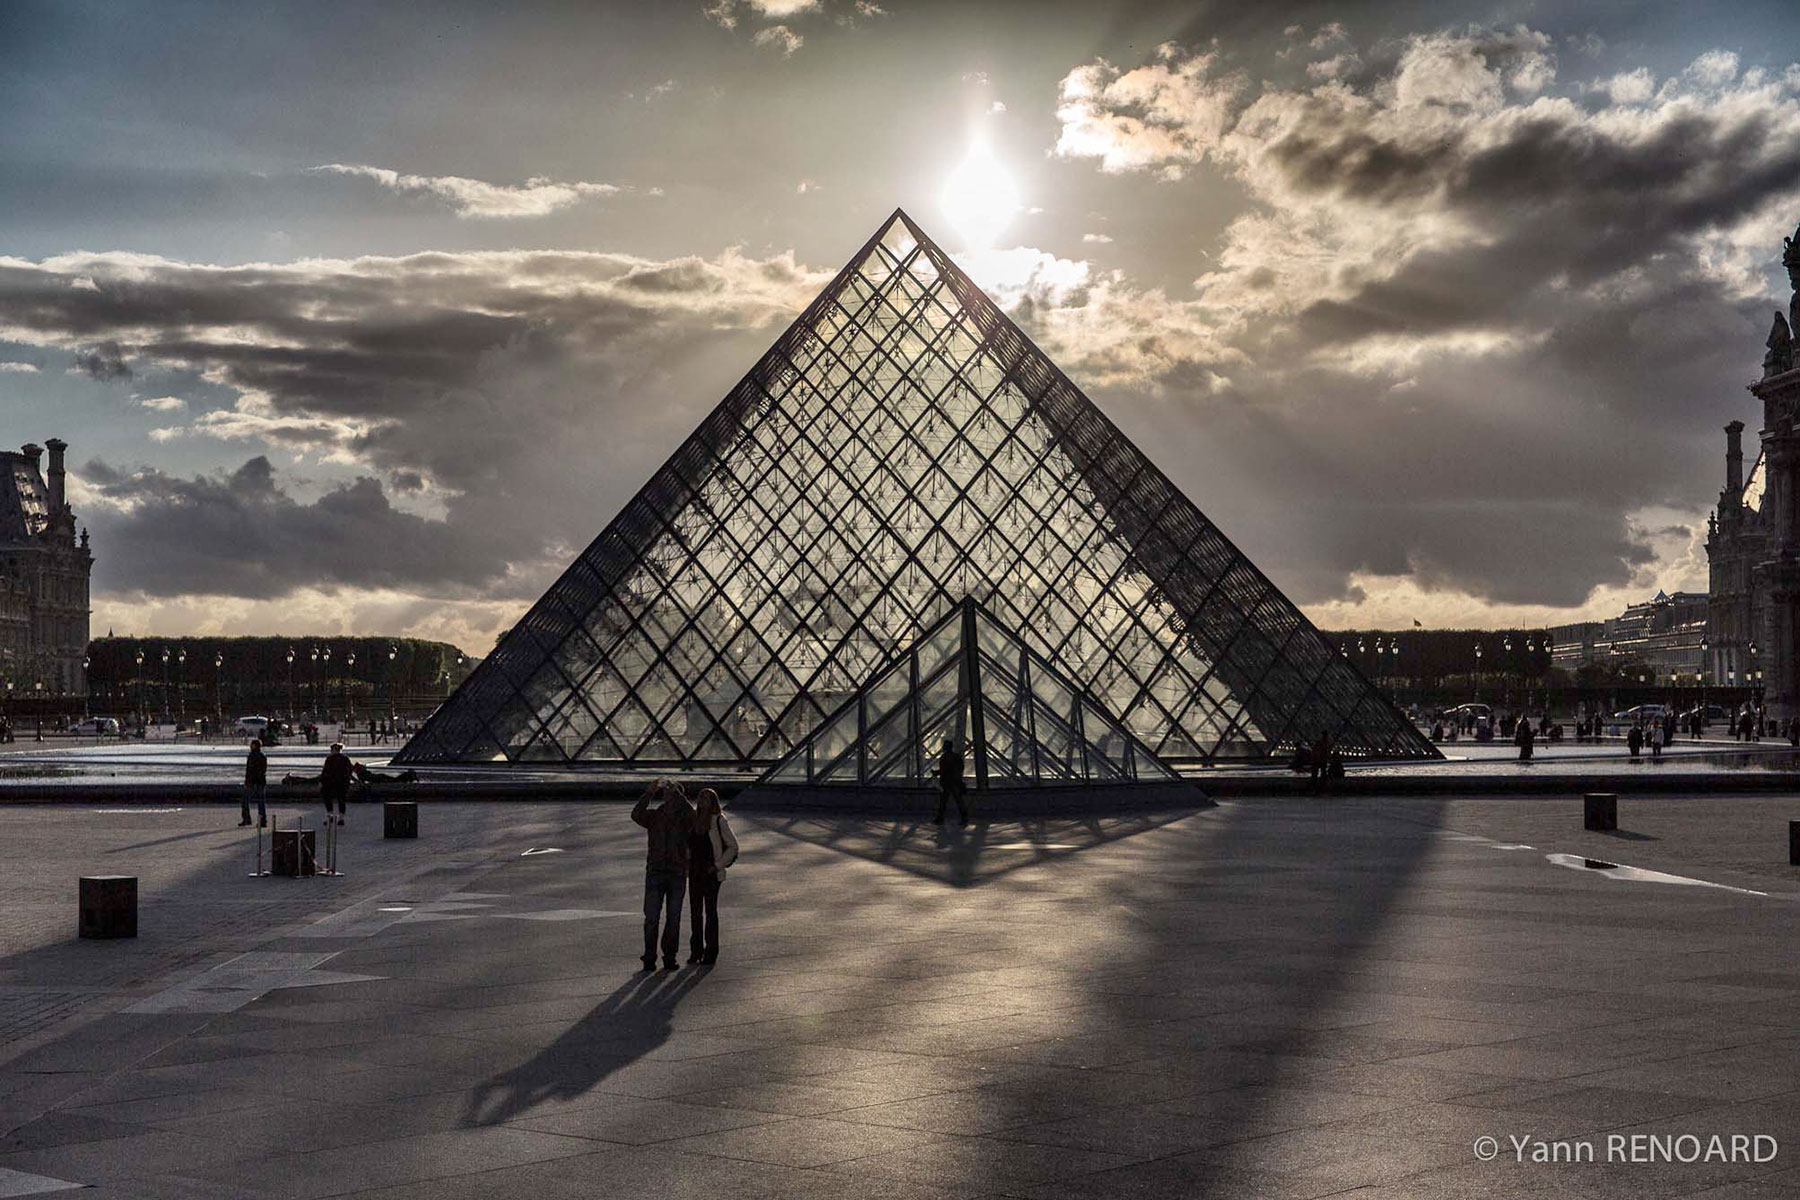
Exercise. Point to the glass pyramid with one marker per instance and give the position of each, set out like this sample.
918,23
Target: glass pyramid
971,681
900,447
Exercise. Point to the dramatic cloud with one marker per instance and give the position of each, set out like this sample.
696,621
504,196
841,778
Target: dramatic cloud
514,399
1535,309
104,361
163,403
477,198
782,37
242,535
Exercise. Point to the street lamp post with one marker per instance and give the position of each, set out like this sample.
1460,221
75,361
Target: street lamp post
290,666
181,682
349,679
392,651
315,691
219,686
1508,647
86,692
1525,673
138,678
1753,679
165,662
1478,672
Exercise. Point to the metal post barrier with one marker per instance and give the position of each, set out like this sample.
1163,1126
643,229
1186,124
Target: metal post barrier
259,872
332,826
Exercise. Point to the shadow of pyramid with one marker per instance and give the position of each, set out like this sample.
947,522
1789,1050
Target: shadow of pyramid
962,856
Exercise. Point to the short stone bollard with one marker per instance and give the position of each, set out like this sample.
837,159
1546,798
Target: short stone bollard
400,819
1794,843
108,906
291,853
1600,811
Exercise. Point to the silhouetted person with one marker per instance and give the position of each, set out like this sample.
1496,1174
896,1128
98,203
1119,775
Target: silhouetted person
950,782
256,784
665,868
334,781
1525,736
1634,740
1321,760
712,847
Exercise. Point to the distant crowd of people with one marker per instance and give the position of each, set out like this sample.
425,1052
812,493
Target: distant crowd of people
1642,730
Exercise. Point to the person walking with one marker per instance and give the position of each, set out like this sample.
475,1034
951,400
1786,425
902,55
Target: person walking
950,782
334,781
712,847
1320,766
669,826
1525,736
1656,741
1635,740
256,785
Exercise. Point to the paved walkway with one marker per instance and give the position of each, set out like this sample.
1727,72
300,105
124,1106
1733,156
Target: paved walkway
1271,998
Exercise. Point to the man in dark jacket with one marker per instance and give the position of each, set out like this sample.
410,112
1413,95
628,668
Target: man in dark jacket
669,824
256,784
950,782
334,780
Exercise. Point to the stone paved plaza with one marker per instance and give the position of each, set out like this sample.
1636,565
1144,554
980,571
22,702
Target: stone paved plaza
1271,998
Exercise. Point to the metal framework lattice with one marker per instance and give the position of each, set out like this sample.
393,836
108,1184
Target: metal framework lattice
902,446
971,681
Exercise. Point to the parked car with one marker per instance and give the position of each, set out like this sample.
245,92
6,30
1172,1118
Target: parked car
95,727
1642,712
1470,710
252,726
1711,712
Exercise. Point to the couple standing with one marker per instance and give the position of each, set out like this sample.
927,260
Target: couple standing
689,848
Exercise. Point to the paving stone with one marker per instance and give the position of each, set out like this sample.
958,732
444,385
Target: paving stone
1293,998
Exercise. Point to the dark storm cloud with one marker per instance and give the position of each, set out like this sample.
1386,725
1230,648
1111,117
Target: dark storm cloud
104,362
1472,327
522,393
242,535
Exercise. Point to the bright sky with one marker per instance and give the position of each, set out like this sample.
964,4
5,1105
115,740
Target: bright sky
366,318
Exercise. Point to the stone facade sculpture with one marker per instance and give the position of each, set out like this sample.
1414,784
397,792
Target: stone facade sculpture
1781,348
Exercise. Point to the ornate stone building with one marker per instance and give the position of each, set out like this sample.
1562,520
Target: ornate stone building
44,570
1753,541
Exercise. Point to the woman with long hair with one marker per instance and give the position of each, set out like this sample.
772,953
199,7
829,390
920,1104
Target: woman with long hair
712,848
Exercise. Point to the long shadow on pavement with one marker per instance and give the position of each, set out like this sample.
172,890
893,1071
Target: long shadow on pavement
1220,1006
634,1020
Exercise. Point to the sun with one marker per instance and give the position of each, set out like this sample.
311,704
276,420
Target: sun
980,198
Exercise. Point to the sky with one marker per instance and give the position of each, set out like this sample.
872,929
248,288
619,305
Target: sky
365,319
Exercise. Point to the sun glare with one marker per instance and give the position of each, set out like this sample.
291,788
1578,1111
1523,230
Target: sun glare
979,198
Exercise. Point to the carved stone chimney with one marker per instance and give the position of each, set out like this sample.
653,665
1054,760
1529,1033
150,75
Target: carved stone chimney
56,477
1734,458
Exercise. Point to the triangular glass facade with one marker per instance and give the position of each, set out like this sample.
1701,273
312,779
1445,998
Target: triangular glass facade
971,681
901,446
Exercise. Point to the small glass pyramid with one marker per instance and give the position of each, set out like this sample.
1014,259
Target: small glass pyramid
900,447
971,681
